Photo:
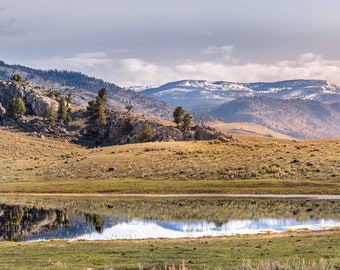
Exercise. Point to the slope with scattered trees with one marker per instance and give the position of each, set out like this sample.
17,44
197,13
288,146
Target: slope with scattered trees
47,112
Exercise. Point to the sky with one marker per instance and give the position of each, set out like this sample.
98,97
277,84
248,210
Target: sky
151,42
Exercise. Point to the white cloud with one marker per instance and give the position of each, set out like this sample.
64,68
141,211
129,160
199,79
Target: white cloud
306,66
135,71
223,52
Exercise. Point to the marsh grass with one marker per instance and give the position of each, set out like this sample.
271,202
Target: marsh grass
248,165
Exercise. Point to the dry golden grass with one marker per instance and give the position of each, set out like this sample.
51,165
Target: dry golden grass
248,165
247,128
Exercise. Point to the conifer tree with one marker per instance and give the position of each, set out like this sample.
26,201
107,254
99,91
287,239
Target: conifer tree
62,110
50,114
16,107
147,135
96,108
178,115
187,121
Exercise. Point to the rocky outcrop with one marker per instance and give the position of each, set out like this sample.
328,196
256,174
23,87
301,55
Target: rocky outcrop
35,99
116,132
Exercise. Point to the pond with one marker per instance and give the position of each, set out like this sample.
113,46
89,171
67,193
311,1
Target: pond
102,218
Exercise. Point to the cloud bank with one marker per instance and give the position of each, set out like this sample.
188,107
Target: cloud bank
221,66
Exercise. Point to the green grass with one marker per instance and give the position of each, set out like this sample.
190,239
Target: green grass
248,165
205,253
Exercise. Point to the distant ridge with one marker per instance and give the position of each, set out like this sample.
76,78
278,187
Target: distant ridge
201,95
303,119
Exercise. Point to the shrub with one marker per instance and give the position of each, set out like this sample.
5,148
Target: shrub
147,135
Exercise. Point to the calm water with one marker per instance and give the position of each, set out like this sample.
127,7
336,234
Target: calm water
133,221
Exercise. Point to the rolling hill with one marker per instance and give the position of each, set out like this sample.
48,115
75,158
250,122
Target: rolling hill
304,119
85,88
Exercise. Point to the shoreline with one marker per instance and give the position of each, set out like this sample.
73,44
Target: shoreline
172,195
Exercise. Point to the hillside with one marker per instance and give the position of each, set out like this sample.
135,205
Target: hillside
297,118
273,105
85,88
41,117
264,165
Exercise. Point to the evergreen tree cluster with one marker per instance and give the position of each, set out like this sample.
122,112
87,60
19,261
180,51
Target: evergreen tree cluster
180,117
96,108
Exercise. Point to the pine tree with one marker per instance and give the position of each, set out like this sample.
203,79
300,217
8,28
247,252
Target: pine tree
147,135
62,110
50,114
16,107
101,116
187,121
69,99
127,125
96,108
16,78
178,115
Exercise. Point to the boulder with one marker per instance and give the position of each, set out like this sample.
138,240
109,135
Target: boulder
208,133
39,104
168,134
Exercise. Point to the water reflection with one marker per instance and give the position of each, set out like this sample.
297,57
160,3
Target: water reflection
141,229
130,220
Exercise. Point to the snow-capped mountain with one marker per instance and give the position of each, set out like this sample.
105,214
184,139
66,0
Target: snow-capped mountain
200,95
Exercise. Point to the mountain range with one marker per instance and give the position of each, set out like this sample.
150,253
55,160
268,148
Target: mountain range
199,95
303,109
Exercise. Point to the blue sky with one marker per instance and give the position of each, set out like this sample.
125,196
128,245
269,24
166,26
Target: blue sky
148,42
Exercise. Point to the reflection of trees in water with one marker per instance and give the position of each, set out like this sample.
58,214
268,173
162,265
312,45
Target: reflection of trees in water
18,221
97,220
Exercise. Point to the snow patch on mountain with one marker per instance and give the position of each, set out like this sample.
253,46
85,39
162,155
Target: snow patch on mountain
198,95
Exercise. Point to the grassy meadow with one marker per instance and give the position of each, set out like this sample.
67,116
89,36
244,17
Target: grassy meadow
247,165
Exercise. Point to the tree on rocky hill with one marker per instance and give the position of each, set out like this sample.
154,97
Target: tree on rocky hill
62,110
50,114
16,78
96,108
127,125
69,99
147,135
187,121
178,115
16,108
